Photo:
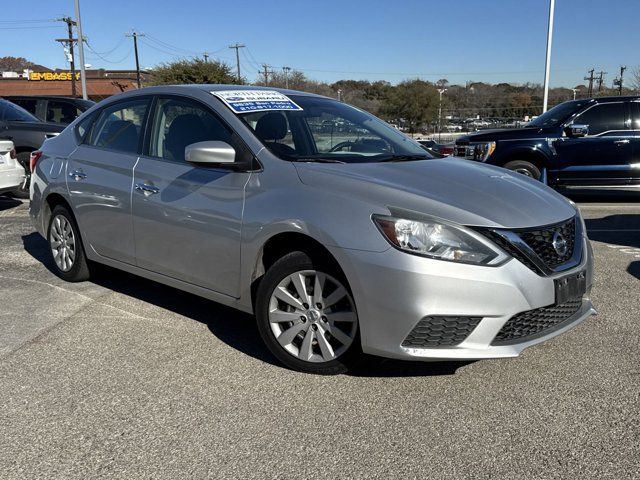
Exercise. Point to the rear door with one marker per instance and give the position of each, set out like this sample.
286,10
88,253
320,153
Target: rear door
635,143
603,157
187,219
100,175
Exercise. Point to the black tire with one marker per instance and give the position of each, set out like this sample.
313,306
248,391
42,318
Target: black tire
79,270
525,168
23,191
281,269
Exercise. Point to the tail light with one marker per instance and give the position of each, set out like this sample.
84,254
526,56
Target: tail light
33,160
12,154
445,150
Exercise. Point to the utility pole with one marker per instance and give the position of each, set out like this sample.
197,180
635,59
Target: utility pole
590,78
547,63
286,76
237,47
265,68
69,41
135,36
83,73
601,75
618,81
440,91
206,57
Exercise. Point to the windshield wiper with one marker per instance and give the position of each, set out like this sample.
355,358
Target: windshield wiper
404,158
317,160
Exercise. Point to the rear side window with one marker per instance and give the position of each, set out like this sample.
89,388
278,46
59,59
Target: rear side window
62,112
603,118
119,126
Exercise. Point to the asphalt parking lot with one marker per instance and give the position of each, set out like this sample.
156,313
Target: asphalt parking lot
124,378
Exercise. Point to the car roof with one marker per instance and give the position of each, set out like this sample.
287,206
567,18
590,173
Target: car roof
212,88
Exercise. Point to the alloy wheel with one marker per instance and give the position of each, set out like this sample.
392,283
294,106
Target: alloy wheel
62,242
312,316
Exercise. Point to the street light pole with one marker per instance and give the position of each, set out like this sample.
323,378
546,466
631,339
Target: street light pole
83,74
440,91
547,63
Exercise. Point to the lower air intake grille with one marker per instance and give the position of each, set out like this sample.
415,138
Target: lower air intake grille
529,324
433,332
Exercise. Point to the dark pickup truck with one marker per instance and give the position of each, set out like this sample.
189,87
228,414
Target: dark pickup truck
581,143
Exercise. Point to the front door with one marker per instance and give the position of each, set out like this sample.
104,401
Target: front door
604,156
187,219
635,143
99,176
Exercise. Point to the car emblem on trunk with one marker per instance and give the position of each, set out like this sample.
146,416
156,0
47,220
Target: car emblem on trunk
559,244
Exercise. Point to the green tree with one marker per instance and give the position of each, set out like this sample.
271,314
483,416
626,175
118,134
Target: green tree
192,71
414,102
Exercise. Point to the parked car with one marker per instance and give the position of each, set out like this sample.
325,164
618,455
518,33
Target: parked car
591,142
376,247
443,149
27,134
62,110
11,172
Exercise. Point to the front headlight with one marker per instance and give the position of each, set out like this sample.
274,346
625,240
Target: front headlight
439,241
482,151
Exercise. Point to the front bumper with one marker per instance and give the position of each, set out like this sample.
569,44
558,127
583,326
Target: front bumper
394,290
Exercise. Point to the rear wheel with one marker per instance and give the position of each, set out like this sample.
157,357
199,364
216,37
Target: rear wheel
23,190
525,168
65,245
306,315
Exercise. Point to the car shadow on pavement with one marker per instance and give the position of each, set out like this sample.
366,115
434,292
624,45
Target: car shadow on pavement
236,329
604,196
618,229
8,202
634,269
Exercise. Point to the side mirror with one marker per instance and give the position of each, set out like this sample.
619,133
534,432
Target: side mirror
209,153
577,130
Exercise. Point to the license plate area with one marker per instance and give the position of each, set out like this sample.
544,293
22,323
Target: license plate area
570,287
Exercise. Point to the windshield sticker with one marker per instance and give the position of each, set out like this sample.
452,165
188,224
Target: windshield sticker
243,101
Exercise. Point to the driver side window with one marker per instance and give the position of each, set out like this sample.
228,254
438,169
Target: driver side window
602,118
178,123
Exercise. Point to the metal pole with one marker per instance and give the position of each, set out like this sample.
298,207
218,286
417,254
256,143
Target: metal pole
286,76
440,91
135,49
547,63
83,74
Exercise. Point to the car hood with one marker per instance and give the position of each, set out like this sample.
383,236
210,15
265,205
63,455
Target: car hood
502,134
461,191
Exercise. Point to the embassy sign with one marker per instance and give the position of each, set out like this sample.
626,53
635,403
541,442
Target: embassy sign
50,76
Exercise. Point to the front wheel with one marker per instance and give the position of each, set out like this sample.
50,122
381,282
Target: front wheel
306,315
525,168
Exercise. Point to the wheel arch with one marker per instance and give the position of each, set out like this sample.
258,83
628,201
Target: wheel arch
532,155
280,244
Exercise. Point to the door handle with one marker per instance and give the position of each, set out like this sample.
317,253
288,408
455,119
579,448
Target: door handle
78,175
622,142
146,189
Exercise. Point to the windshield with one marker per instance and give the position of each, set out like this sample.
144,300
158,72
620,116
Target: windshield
11,112
331,131
557,115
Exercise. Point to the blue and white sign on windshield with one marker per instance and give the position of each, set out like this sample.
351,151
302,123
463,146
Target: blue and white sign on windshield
244,101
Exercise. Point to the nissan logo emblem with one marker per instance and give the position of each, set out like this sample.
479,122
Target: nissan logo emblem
559,244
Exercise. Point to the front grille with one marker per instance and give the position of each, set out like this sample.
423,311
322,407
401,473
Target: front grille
443,331
541,242
532,323
535,247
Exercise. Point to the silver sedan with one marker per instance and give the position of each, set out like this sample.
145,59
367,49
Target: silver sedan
338,232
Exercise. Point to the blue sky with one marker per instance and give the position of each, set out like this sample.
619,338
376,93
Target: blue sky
480,40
